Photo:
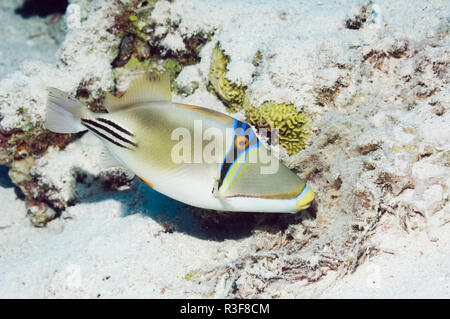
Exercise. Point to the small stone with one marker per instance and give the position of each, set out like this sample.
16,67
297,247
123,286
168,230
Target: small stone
41,214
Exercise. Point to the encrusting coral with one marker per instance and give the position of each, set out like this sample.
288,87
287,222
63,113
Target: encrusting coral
293,126
232,94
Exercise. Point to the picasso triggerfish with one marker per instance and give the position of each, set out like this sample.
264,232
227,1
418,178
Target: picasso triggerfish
193,154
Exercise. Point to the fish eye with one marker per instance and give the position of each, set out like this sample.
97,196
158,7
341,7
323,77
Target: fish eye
241,142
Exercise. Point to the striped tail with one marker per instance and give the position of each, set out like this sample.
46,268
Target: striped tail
64,112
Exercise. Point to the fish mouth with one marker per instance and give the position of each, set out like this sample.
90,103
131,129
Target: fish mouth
302,207
305,198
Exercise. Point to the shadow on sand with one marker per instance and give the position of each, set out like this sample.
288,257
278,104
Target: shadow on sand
175,216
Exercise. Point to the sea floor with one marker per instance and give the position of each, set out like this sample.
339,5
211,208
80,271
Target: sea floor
96,250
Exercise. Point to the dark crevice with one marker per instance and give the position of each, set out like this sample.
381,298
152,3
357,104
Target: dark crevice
41,8
6,182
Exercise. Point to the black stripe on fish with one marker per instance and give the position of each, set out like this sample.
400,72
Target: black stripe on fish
232,155
115,125
107,130
104,136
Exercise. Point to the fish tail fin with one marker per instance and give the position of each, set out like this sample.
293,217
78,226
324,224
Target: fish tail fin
64,112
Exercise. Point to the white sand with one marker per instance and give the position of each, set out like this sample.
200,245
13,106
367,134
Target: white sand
410,267
96,251
25,39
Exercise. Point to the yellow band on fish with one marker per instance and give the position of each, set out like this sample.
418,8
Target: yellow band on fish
234,171
304,198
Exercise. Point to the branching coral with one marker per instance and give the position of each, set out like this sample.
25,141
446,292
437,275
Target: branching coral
232,94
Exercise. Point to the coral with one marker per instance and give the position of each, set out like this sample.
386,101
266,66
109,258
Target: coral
173,67
151,47
138,25
82,66
134,63
293,126
20,170
232,94
131,46
40,212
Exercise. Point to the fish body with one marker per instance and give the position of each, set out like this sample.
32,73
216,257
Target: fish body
166,145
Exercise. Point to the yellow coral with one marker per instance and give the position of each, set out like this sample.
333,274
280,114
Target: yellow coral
293,126
231,93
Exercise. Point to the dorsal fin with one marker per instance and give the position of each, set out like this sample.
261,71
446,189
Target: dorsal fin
144,88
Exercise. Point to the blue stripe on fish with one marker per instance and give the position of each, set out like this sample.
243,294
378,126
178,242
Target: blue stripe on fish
303,192
237,173
228,164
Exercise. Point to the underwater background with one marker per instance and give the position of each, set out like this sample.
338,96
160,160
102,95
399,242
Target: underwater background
357,89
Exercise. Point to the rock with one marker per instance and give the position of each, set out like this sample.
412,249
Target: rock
20,170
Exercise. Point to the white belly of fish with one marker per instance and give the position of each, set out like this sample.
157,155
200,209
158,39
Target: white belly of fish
200,195
194,186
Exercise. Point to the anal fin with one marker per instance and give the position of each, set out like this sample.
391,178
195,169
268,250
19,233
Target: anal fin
108,161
